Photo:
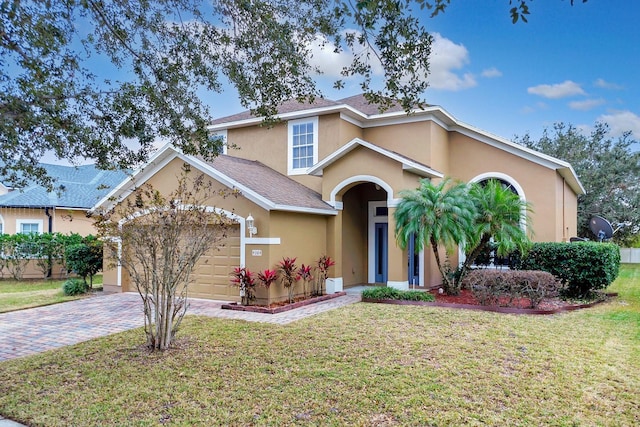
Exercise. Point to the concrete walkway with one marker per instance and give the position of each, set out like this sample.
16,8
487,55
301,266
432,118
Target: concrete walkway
35,330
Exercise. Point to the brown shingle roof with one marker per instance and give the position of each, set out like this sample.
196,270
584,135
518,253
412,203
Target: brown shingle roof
287,107
357,102
268,183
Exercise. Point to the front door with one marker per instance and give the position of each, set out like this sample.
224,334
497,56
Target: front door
381,248
414,262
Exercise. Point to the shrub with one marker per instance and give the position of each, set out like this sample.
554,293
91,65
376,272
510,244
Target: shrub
396,294
582,267
74,287
85,259
506,287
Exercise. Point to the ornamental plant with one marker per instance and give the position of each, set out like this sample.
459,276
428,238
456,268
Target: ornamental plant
267,277
322,265
304,274
242,278
287,269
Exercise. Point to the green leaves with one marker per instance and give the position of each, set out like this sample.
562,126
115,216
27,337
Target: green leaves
609,170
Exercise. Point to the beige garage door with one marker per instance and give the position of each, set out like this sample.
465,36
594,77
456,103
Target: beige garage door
210,277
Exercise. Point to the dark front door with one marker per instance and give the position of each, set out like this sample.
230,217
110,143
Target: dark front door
381,248
414,262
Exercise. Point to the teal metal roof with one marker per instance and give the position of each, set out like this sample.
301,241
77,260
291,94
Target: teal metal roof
77,187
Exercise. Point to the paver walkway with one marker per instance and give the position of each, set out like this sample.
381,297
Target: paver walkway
40,329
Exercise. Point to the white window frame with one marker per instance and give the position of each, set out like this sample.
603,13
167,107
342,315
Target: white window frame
20,222
291,124
222,133
1,223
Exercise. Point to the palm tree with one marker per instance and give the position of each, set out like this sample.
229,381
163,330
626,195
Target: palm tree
436,214
502,217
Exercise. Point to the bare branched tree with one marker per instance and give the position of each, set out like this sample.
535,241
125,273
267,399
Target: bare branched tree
158,239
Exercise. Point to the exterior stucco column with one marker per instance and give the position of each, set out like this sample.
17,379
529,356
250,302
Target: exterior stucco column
398,271
334,250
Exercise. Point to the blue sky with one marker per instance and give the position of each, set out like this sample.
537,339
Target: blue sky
574,64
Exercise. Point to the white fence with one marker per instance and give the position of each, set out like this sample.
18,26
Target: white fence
630,255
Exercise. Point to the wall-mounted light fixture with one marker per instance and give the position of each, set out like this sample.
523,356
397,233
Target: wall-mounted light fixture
251,226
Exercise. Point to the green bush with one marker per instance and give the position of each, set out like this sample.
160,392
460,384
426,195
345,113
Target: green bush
509,287
582,267
74,287
396,294
85,259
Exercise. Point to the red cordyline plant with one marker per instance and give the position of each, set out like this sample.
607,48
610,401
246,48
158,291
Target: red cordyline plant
322,265
304,274
287,268
242,278
266,278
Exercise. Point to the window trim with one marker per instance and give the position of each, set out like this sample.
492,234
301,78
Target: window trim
20,222
314,121
223,134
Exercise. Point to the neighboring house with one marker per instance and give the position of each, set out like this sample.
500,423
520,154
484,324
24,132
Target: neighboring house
326,180
33,209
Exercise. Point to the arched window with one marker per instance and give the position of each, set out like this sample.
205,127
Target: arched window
489,258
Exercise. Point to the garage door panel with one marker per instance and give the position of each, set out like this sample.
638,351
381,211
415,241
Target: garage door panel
211,276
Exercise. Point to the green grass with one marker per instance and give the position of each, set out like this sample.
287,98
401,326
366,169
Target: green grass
362,365
17,295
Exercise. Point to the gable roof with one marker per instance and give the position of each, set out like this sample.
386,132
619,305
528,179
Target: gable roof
407,163
80,187
356,110
257,182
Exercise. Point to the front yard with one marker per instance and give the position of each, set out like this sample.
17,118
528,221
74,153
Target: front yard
17,295
364,364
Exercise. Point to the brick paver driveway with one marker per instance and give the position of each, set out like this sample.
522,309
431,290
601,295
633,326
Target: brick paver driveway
39,329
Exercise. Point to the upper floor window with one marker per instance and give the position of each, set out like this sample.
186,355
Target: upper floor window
219,140
303,145
29,226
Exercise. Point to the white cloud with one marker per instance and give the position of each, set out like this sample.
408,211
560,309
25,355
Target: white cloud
602,83
491,73
586,105
331,63
446,57
622,121
558,90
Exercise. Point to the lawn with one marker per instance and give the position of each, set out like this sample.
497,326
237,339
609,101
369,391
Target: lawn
16,295
364,364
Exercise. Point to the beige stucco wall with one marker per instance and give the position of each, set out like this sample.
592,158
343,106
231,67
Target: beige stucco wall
470,158
302,236
64,221
362,161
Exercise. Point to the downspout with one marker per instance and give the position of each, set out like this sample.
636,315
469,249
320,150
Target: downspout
47,212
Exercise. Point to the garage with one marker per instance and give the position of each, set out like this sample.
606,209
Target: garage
210,277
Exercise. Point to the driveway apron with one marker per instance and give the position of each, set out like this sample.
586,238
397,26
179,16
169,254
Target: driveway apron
35,330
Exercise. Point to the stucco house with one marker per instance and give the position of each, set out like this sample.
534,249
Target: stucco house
34,209
326,180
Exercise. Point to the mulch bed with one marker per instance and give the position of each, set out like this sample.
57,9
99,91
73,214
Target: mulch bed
466,300
280,307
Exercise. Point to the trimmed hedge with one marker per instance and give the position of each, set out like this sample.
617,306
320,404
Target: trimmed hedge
383,292
509,287
582,267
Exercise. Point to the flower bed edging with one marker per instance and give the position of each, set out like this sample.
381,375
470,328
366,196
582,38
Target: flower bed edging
280,309
495,309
